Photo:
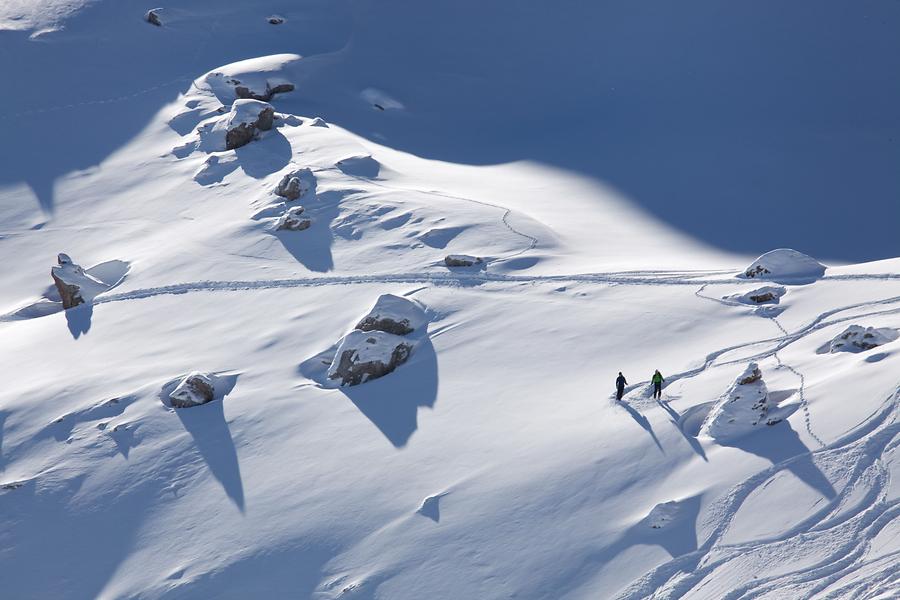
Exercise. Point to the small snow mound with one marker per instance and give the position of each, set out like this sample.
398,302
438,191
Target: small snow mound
431,507
462,260
365,355
741,409
663,514
393,314
360,166
195,389
768,294
318,122
784,263
857,338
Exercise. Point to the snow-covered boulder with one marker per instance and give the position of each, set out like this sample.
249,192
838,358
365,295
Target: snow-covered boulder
153,16
275,20
195,389
768,294
859,339
784,263
462,260
393,314
246,119
275,85
741,409
293,220
74,285
365,355
295,184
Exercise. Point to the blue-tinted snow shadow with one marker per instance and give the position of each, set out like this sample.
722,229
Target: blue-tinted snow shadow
790,130
392,402
676,420
678,537
207,426
78,319
3,416
92,94
267,155
780,445
642,421
290,571
312,247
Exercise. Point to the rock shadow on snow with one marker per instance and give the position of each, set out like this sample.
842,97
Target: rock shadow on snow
312,247
782,446
392,402
207,426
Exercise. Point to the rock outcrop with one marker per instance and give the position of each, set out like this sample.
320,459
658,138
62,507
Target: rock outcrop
393,314
365,355
379,343
859,339
293,220
195,389
275,20
295,184
741,409
73,284
784,263
273,86
462,260
246,119
768,294
153,17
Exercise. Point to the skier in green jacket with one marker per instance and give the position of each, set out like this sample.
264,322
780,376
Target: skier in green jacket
657,381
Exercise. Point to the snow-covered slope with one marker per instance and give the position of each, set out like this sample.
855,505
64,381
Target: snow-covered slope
493,462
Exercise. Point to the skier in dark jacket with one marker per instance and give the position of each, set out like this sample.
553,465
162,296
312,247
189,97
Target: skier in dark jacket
657,381
620,386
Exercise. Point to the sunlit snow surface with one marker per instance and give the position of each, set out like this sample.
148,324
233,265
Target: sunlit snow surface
494,462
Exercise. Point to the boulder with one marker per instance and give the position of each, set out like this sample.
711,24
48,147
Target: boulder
768,294
295,184
365,355
275,20
273,86
462,260
246,119
318,122
195,389
784,263
393,314
74,285
292,220
153,16
741,409
859,339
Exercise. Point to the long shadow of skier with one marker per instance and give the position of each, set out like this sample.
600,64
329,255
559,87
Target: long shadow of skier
643,422
676,421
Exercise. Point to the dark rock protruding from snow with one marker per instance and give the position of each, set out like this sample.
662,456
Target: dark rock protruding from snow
784,263
292,220
379,344
74,285
295,184
365,355
768,294
246,119
275,20
153,16
195,389
741,409
273,86
462,260
859,339
393,314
